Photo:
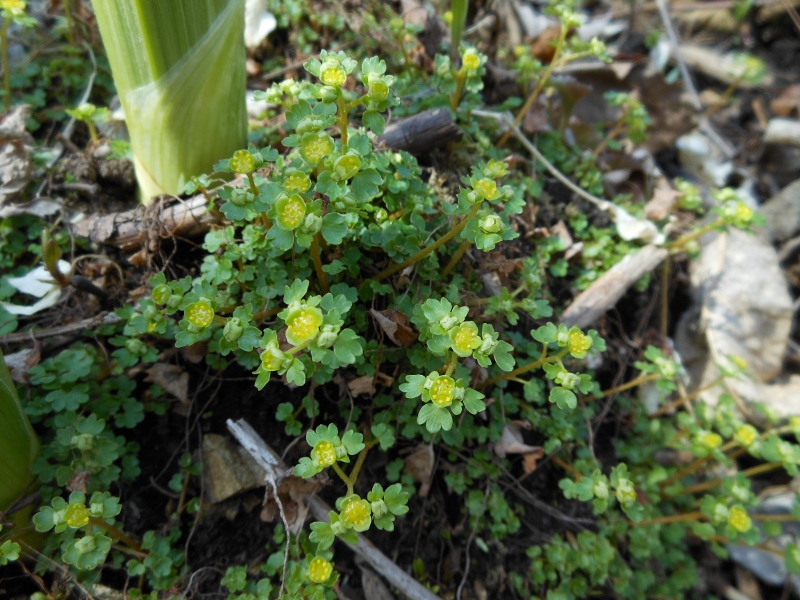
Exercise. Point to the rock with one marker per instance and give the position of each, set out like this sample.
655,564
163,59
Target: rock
782,213
783,131
742,308
228,469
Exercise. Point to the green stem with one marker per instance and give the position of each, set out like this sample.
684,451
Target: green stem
253,187
456,97
642,378
690,237
116,533
689,516
539,86
353,477
70,21
6,68
92,131
342,110
342,475
611,135
529,367
317,260
465,245
427,250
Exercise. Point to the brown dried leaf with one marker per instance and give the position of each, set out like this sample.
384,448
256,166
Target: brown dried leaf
544,46
664,198
511,442
294,493
362,385
79,481
19,363
530,459
420,464
172,378
787,104
396,325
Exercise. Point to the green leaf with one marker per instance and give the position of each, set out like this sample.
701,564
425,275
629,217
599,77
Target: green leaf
353,442
296,373
396,499
365,185
348,346
322,534
563,398
545,334
435,418
502,356
374,121
306,468
473,401
334,228
413,386
384,435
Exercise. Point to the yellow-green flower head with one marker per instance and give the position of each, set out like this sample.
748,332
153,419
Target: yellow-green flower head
746,435
14,6
297,181
273,358
794,425
316,146
491,224
290,211
739,519
579,343
710,440
625,492
331,72
82,441
378,89
243,162
319,569
76,515
486,189
471,60
161,294
738,362
441,390
302,323
495,169
200,313
464,339
346,166
355,513
324,453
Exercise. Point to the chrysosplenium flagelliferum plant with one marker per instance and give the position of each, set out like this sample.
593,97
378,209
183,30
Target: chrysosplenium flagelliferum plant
311,224
317,242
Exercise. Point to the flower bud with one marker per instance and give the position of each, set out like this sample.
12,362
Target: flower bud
242,196
328,93
161,293
491,224
233,330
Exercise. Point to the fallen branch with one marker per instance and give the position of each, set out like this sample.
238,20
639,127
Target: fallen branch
421,133
275,470
85,324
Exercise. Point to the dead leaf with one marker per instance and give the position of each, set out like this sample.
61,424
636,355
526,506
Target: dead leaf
172,378
544,46
294,493
664,198
560,230
396,325
530,459
15,160
414,13
21,362
362,385
787,104
511,443
420,465
79,481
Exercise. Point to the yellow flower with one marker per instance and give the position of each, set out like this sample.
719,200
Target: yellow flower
200,314
332,73
319,570
272,358
290,212
464,338
486,189
442,391
471,61
578,343
297,182
76,515
317,147
710,440
243,162
356,513
324,453
746,435
303,324
17,6
739,519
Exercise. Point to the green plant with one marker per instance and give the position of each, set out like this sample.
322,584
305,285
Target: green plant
183,95
19,446
13,12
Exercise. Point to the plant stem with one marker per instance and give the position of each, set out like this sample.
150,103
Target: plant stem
640,379
666,269
611,134
353,477
714,483
342,475
529,367
66,4
6,68
456,97
427,250
456,257
539,86
567,467
689,516
342,110
690,237
116,533
317,259
685,399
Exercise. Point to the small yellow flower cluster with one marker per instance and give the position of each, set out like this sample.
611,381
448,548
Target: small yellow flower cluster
319,569
324,453
739,519
443,391
200,314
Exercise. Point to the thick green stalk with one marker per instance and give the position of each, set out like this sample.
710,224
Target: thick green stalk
18,444
458,9
179,68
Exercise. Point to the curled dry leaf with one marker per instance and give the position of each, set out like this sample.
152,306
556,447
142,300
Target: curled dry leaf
420,465
396,325
19,363
366,384
294,493
787,104
172,378
511,442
